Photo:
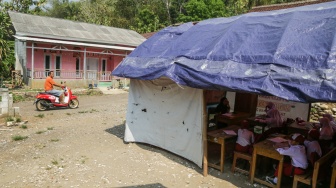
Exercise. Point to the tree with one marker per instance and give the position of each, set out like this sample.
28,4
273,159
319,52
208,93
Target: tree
146,21
7,56
237,7
63,9
25,6
216,8
175,9
5,34
6,46
167,4
8,63
97,11
194,10
142,15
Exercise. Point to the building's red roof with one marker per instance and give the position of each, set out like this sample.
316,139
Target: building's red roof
269,8
147,35
286,5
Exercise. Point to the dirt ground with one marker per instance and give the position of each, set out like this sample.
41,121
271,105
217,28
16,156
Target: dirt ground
84,147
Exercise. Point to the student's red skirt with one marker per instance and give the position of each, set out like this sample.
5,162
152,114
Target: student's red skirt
289,170
244,149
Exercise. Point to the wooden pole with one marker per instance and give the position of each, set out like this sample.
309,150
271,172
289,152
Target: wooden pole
204,136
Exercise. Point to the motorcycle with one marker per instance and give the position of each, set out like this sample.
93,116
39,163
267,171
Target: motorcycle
46,101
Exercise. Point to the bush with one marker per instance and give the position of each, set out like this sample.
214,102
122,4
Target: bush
18,98
19,137
9,119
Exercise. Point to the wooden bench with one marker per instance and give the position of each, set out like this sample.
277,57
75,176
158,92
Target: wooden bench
333,176
311,178
239,155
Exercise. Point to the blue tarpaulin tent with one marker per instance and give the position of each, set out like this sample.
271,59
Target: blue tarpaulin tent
288,53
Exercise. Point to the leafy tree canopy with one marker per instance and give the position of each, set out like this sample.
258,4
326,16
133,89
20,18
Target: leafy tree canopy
7,57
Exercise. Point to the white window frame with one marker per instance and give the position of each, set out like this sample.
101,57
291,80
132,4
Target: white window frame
58,74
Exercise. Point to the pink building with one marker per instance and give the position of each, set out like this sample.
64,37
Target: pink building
79,53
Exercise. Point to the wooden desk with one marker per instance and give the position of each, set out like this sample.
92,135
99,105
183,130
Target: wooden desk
265,148
252,121
219,137
333,176
233,118
302,129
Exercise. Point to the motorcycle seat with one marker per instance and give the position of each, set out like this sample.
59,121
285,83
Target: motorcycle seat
44,93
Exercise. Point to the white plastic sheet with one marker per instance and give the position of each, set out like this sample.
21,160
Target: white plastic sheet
166,115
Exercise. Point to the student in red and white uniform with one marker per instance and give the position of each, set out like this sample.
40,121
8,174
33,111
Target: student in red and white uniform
245,139
273,118
332,123
326,135
298,164
298,138
326,131
312,146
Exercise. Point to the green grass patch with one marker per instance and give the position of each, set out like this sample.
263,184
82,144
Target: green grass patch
92,92
93,110
40,132
23,127
18,120
40,146
82,112
83,160
40,115
9,119
18,98
50,128
54,140
19,137
54,162
68,114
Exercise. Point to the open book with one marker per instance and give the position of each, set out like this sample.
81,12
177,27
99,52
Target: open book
230,132
277,139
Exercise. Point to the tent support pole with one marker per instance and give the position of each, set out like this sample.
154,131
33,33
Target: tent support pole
205,142
309,107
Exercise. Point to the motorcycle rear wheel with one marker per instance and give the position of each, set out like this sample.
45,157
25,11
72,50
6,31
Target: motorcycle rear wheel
73,103
41,105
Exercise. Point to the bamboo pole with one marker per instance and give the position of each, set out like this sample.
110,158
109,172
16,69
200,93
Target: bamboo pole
204,136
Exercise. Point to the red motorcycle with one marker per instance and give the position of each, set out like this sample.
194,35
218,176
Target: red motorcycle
46,101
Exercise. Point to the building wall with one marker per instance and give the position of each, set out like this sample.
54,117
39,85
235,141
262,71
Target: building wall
68,62
39,83
117,60
68,58
21,59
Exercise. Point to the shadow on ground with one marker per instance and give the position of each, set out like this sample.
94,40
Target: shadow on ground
238,179
147,186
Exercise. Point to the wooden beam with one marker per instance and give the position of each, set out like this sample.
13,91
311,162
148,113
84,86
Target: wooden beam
204,136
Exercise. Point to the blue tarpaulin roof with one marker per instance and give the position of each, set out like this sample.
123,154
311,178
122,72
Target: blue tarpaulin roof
288,53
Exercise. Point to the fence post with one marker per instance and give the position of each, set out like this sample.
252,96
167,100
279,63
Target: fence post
4,101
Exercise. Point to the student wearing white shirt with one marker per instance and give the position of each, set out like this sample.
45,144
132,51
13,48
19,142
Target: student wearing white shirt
326,135
326,132
331,121
273,118
298,164
245,139
314,151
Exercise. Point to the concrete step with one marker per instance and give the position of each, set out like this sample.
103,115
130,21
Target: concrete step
104,84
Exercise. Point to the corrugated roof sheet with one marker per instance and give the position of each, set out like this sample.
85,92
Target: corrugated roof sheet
54,28
286,5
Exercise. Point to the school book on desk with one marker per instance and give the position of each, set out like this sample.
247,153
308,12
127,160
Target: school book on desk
230,132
